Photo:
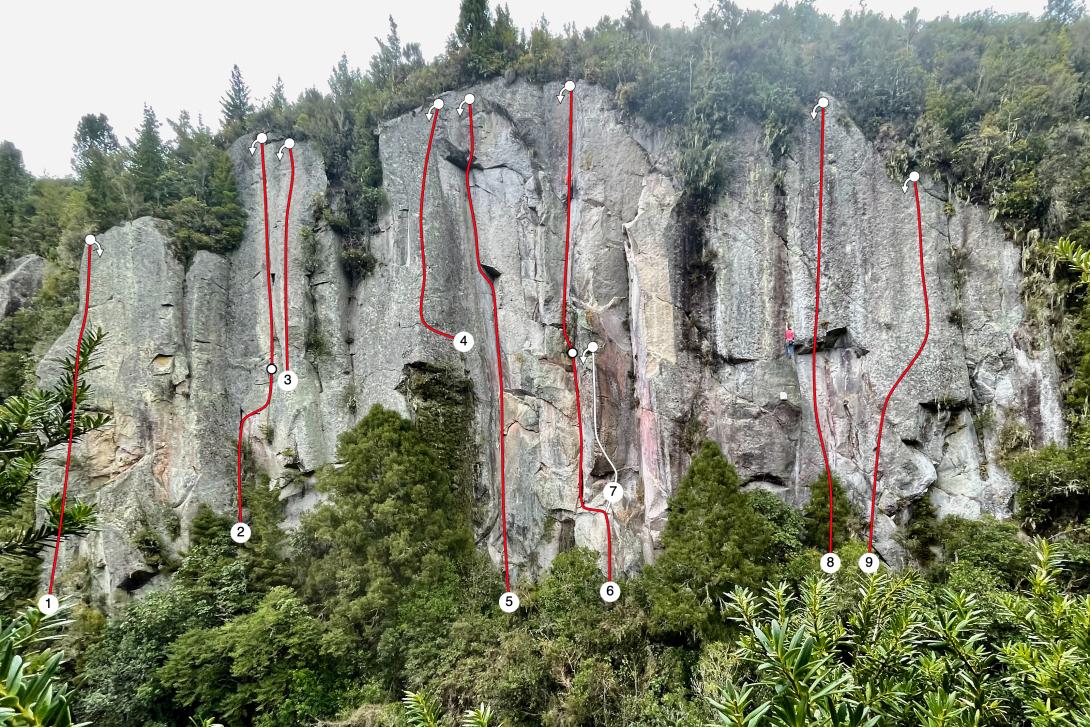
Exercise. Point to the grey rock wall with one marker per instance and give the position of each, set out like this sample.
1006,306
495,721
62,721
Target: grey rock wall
689,320
21,283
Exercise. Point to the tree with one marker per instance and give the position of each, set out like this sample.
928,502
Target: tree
30,424
15,184
97,164
713,541
474,23
1064,12
886,650
393,534
846,523
262,663
95,139
385,69
122,686
148,160
278,100
235,103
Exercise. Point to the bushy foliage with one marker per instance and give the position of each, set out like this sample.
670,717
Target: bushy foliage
898,653
846,521
32,693
713,540
30,425
259,668
395,527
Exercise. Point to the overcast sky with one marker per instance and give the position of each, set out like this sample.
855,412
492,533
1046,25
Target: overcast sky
62,59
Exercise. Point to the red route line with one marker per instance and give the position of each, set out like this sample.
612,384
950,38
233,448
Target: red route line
564,329
272,331
926,333
817,312
499,355
71,421
287,214
420,218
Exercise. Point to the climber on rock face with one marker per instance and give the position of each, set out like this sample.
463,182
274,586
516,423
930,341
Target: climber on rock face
789,341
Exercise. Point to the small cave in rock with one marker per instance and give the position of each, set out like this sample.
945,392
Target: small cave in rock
136,580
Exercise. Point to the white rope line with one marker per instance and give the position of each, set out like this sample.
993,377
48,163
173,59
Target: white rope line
594,392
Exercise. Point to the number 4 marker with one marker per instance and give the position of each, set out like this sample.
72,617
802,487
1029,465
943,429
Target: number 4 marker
463,342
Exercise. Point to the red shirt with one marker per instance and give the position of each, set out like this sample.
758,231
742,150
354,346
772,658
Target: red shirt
789,335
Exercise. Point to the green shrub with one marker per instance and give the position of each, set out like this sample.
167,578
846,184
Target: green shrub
987,546
1053,486
713,540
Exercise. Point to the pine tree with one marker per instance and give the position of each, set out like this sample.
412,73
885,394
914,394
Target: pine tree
148,160
385,64
15,184
97,164
235,103
474,23
846,524
278,101
713,540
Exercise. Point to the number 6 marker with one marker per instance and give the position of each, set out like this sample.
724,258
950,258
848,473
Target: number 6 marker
609,591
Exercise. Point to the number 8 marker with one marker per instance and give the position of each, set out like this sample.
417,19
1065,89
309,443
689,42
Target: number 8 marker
830,562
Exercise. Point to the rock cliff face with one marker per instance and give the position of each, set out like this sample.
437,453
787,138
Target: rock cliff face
688,315
21,283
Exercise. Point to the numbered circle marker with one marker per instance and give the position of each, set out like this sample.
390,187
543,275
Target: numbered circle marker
509,602
270,369
823,102
572,353
463,341
288,381
593,347
262,138
613,492
240,532
830,562
868,563
569,86
289,143
49,604
914,177
609,591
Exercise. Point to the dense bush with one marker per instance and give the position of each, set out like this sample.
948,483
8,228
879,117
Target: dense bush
713,540
899,653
